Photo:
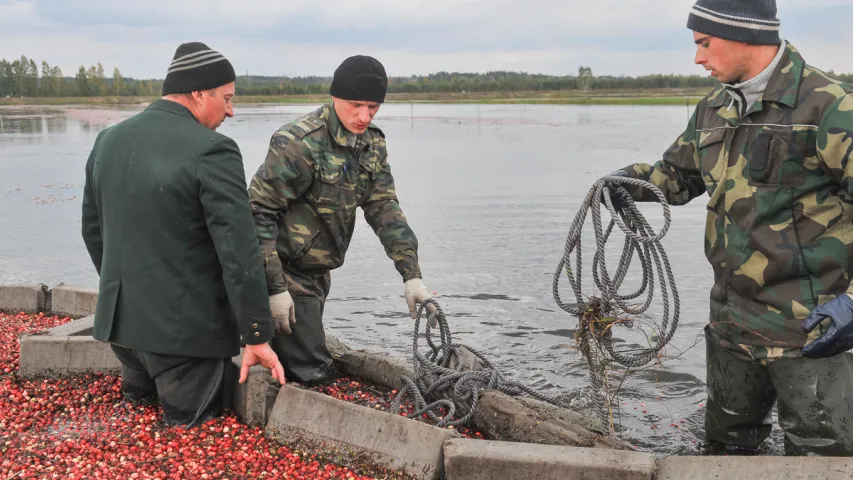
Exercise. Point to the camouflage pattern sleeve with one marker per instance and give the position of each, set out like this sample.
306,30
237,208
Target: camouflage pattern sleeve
835,145
677,174
384,215
284,176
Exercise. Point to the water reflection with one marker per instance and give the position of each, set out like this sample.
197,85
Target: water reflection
57,125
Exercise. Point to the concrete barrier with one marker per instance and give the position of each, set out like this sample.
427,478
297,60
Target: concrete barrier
26,298
66,350
354,433
491,460
73,301
754,468
254,399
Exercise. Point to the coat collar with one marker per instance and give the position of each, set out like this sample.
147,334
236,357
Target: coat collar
171,107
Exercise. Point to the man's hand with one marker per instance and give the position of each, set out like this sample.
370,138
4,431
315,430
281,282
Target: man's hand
264,355
618,195
838,337
416,293
283,313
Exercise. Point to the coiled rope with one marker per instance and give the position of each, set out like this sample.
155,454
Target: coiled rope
438,384
598,315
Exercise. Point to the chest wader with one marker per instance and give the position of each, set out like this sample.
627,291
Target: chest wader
303,353
813,397
191,390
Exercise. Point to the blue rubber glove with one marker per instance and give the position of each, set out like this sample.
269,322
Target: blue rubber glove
839,336
618,195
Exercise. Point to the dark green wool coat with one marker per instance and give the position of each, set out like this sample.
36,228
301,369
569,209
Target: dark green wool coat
167,222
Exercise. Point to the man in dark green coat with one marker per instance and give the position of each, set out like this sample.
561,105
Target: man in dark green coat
167,222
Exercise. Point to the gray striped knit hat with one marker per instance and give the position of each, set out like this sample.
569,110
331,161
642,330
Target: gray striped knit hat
196,67
747,21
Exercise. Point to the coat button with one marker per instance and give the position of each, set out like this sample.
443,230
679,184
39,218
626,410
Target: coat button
257,334
254,325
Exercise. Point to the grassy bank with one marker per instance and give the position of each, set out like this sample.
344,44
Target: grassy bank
565,97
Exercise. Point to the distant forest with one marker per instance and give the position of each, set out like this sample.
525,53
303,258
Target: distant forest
24,77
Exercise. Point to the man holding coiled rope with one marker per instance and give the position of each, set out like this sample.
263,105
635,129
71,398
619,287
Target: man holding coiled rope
771,145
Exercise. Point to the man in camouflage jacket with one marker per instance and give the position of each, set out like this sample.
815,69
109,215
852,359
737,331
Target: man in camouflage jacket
773,148
319,169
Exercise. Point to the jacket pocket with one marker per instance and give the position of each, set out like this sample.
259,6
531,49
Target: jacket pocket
328,190
777,157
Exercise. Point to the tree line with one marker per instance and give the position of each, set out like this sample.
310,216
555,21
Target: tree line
23,78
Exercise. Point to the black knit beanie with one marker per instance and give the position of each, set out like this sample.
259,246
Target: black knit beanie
196,67
360,78
747,21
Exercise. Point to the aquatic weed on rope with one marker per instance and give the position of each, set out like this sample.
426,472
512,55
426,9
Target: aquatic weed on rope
599,315
439,384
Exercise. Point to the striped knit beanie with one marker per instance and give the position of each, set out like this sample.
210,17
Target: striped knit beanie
196,67
747,21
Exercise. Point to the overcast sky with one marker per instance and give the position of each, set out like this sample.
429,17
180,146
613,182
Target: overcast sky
297,38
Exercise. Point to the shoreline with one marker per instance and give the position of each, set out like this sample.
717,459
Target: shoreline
565,97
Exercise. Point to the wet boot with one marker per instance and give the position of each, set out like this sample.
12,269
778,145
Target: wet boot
814,404
303,353
740,399
812,396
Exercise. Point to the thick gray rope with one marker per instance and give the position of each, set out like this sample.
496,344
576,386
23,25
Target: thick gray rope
595,338
437,385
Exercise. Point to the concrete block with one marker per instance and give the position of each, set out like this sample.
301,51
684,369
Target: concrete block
26,298
491,460
73,301
357,434
44,355
754,468
254,399
378,368
80,327
66,350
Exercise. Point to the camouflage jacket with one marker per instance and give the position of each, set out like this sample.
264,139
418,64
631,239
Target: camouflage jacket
778,232
305,195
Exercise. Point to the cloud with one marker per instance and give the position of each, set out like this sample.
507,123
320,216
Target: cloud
409,36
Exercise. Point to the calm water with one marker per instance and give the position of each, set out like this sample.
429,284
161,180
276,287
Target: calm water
490,192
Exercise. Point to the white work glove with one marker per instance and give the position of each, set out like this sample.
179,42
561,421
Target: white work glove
416,293
283,313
